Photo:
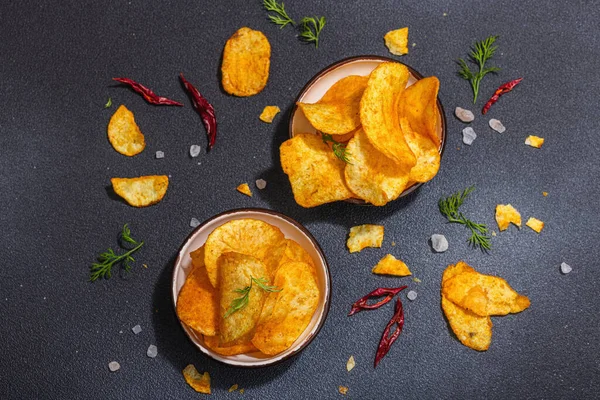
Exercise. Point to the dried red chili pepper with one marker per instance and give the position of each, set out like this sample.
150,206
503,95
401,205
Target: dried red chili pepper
507,87
386,340
361,304
148,94
205,109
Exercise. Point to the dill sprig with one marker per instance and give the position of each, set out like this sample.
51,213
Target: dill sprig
449,207
310,29
108,259
281,18
108,103
480,53
241,302
338,148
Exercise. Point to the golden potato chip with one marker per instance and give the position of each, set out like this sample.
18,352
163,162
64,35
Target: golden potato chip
315,173
535,224
287,251
389,265
246,61
418,104
197,257
238,276
123,133
507,214
483,295
345,137
534,141
288,312
197,303
143,191
379,112
247,236
362,236
372,176
244,189
397,41
269,114
472,330
212,342
200,383
349,87
426,152
453,270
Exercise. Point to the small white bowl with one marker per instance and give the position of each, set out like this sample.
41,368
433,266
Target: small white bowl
292,230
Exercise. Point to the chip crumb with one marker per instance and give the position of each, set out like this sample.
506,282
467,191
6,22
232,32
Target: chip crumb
114,366
412,295
417,280
152,351
397,41
544,194
233,388
535,224
261,184
493,233
414,44
194,222
497,125
136,329
565,268
343,389
393,244
469,136
199,382
242,391
145,265
160,154
194,150
439,243
245,189
534,141
269,114
463,114
350,364
445,14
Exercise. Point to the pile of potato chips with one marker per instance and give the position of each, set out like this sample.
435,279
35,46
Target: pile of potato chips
390,134
234,254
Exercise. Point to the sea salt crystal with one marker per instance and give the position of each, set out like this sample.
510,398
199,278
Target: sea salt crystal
160,154
439,243
412,295
469,135
114,366
565,268
152,351
194,150
497,125
194,222
261,184
464,115
136,329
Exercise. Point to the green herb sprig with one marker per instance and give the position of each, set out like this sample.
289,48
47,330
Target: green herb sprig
338,148
449,207
108,103
282,18
108,259
310,29
241,302
480,53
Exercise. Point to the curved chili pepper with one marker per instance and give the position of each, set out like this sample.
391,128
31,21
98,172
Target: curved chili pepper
205,109
361,304
386,340
507,87
148,94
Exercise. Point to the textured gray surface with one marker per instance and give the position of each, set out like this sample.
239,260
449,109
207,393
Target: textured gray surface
59,332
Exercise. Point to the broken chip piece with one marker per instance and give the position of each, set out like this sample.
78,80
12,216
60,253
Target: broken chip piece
350,364
389,265
245,189
534,141
505,215
269,113
124,134
535,224
233,388
199,382
142,191
343,390
362,236
397,41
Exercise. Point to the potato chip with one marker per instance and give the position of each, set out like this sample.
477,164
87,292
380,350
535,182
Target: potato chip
418,104
288,312
349,87
535,224
534,141
472,330
236,274
397,41
426,152
197,257
315,173
197,303
143,191
505,215
345,137
362,236
246,236
379,112
343,390
389,265
123,133
372,176
269,114
199,382
246,61
244,189
212,342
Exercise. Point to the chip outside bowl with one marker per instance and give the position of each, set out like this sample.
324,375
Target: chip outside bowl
359,65
292,230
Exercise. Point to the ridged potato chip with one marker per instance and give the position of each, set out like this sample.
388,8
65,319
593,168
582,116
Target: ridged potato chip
379,113
315,173
212,342
247,236
287,313
362,236
246,61
199,382
418,104
143,191
389,265
124,134
372,176
507,214
426,152
197,304
236,272
397,41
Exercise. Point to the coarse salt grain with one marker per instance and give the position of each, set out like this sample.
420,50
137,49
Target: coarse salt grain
136,329
469,136
497,125
152,351
412,295
261,184
194,150
194,222
439,243
565,268
464,115
160,154
114,366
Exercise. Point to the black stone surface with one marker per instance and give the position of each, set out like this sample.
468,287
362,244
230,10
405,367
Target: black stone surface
58,332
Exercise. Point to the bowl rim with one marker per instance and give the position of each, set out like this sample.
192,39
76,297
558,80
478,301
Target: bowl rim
314,242
369,57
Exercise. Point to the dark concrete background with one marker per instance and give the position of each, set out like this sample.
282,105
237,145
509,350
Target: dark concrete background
58,331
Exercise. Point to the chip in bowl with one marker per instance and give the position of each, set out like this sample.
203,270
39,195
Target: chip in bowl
426,152
212,342
124,134
389,265
363,236
142,191
397,41
418,103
